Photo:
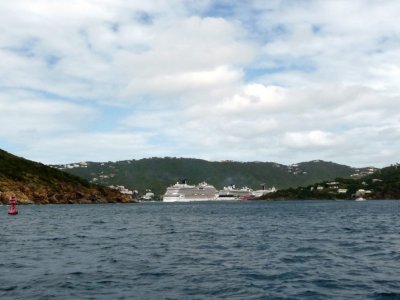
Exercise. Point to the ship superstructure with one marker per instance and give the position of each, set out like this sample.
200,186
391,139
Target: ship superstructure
232,193
183,192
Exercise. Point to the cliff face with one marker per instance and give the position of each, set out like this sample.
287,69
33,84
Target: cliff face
35,183
62,193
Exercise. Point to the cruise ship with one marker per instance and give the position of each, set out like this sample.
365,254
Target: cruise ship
233,193
183,192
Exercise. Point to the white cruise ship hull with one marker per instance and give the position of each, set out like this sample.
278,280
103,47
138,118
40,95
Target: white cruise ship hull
178,199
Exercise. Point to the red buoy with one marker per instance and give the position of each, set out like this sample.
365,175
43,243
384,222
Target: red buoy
12,209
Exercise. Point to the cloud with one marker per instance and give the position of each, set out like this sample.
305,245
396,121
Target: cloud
101,51
283,124
329,42
184,83
26,117
311,139
281,81
93,147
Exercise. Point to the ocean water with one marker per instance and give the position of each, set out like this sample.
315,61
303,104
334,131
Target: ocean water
232,250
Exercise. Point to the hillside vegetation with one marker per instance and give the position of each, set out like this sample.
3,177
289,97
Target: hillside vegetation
34,182
382,184
158,173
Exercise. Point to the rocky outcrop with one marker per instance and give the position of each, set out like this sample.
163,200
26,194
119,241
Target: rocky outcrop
35,183
27,193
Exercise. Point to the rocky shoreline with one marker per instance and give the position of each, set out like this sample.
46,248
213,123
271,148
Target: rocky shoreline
61,194
35,183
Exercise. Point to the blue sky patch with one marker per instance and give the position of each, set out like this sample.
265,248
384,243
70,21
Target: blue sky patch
220,9
26,49
144,18
52,60
114,27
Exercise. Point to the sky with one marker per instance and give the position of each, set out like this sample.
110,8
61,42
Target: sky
284,81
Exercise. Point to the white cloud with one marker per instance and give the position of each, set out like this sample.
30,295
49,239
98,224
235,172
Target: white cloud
93,147
311,139
102,51
274,123
340,42
26,117
266,81
184,83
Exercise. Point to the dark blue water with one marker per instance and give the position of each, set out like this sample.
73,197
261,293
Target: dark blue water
237,250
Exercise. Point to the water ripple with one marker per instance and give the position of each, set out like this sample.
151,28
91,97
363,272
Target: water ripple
253,250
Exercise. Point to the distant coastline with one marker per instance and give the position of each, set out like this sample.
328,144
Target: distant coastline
35,183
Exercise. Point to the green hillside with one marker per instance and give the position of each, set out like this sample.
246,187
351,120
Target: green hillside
385,183
382,184
34,182
158,173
